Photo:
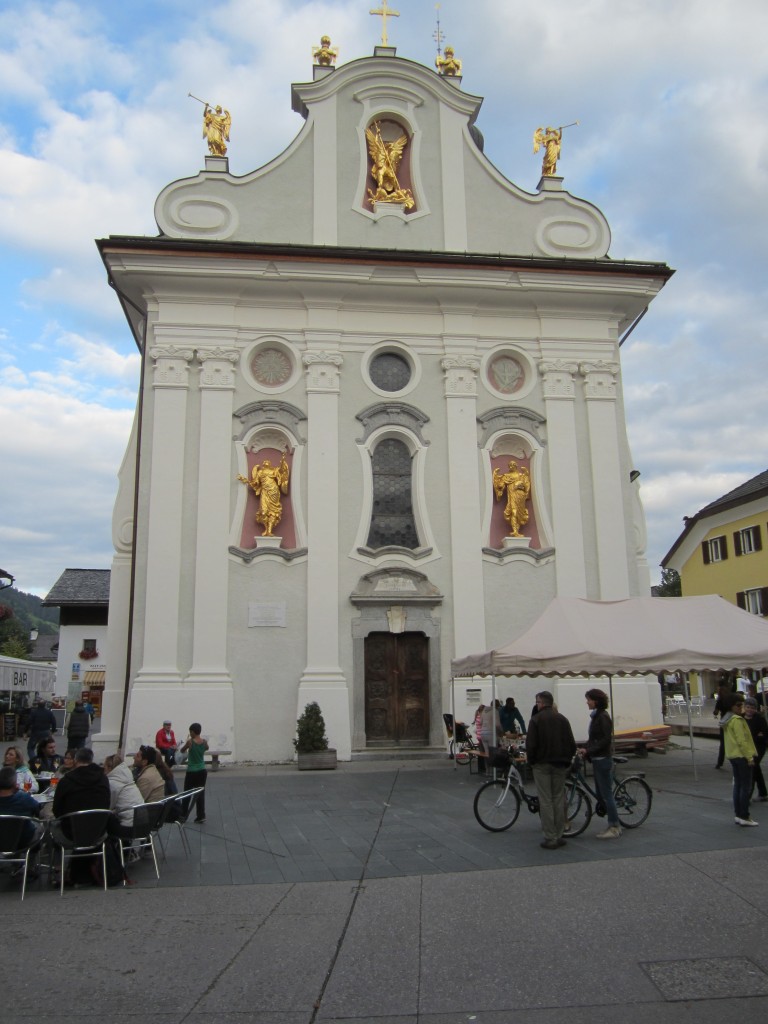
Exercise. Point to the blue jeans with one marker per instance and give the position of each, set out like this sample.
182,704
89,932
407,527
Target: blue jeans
603,769
742,785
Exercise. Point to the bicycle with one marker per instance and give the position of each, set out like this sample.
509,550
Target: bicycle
632,795
497,803
461,741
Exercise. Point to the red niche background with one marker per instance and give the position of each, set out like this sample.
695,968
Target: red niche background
286,528
499,525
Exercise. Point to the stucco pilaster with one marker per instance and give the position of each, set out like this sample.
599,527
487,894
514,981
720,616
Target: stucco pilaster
559,388
323,680
464,503
600,389
209,635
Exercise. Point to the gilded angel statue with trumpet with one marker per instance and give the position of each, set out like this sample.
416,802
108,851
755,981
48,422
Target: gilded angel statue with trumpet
385,160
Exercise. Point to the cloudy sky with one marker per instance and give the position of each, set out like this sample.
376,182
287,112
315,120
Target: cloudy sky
95,120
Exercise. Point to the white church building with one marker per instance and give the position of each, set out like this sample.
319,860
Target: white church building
380,305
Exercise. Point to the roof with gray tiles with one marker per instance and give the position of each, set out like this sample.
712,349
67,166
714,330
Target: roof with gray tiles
80,587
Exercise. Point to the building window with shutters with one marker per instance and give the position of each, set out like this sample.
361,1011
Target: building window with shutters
747,541
754,601
715,550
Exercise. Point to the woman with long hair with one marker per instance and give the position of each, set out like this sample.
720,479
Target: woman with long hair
599,750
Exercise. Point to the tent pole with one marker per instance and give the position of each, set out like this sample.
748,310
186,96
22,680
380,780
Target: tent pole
453,716
493,720
687,692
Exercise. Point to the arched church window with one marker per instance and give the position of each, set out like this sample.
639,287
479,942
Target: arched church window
392,518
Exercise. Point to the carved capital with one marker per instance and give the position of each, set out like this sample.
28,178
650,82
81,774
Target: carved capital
460,375
600,379
171,366
217,367
322,370
558,378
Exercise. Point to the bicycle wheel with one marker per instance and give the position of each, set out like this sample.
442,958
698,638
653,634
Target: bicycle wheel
578,809
633,798
462,756
496,806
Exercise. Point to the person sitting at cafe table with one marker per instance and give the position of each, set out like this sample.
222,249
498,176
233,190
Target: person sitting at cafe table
14,758
85,788
146,776
14,801
67,763
125,794
47,760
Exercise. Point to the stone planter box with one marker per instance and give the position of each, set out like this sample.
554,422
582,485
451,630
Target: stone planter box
317,760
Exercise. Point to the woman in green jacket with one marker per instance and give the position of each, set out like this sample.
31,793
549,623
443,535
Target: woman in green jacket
741,752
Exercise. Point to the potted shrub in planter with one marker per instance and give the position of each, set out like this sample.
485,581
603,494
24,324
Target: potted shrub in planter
311,743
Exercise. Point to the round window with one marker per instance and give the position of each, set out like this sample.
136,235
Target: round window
390,371
271,367
506,375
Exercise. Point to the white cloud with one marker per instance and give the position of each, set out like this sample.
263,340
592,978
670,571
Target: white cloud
673,145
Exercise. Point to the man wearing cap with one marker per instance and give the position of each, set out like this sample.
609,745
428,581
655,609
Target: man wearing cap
165,741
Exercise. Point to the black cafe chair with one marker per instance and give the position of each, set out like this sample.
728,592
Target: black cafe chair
147,821
82,834
180,814
18,843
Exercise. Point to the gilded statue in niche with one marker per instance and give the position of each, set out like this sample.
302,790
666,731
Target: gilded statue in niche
385,160
517,483
268,482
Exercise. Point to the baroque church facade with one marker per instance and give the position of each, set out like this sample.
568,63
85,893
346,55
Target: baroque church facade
384,315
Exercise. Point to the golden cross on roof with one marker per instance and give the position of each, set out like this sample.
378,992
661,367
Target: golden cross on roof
385,12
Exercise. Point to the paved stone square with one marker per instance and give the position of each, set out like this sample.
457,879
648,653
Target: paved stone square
371,894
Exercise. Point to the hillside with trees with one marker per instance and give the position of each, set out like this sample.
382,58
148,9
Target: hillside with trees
20,613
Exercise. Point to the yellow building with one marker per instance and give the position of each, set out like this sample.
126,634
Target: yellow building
721,549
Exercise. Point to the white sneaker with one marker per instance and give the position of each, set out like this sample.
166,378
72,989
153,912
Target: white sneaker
750,822
612,832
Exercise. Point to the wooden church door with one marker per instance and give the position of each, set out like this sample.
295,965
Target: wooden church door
397,689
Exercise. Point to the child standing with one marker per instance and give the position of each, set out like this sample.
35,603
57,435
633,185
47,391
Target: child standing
196,775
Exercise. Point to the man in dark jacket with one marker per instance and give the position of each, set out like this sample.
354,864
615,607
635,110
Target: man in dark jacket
550,747
42,723
78,727
85,788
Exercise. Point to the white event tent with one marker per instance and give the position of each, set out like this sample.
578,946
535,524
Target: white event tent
636,636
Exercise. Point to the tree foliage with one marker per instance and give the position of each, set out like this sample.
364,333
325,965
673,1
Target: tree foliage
670,585
14,647
311,730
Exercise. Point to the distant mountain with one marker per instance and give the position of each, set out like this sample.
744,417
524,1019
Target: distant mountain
28,611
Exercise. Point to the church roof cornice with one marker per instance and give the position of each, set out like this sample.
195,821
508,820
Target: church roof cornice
117,244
